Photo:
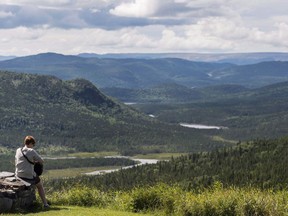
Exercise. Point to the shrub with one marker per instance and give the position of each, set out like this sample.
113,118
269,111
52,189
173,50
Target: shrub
160,197
80,196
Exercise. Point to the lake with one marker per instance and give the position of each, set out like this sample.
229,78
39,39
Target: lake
200,126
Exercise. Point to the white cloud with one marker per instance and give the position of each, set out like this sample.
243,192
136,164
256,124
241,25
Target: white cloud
101,26
137,8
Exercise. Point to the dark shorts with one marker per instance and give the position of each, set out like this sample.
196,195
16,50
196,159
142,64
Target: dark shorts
33,181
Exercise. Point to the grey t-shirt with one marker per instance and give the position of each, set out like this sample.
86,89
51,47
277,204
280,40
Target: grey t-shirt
25,169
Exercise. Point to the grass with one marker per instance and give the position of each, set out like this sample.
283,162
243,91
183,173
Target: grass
166,200
78,211
158,156
163,200
73,172
221,139
93,154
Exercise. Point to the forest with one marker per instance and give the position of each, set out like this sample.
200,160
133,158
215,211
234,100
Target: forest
247,179
258,163
76,115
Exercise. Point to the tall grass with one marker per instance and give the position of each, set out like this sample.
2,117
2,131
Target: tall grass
172,200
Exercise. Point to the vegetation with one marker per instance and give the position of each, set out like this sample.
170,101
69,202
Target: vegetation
144,73
75,211
249,114
75,116
162,199
261,164
7,163
249,179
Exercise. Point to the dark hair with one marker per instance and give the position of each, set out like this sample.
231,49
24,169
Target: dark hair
29,140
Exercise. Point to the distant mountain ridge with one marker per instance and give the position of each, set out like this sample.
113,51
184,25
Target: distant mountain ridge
234,58
145,73
3,58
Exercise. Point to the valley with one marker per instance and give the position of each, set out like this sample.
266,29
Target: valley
203,135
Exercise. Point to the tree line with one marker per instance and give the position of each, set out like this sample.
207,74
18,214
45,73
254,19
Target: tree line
259,163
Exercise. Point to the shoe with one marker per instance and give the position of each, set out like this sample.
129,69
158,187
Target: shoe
46,206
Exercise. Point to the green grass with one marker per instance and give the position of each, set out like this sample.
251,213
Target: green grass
163,200
166,200
78,211
73,172
221,139
158,156
93,154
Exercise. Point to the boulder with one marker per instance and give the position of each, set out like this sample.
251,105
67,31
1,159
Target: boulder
15,193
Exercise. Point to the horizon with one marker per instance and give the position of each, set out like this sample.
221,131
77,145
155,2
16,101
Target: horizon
145,53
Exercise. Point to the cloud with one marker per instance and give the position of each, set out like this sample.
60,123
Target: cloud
138,8
73,26
4,14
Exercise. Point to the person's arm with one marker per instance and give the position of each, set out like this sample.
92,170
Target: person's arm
37,157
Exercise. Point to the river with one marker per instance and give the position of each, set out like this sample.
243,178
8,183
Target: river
140,162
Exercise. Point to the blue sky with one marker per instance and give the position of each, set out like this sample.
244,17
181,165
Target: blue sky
147,26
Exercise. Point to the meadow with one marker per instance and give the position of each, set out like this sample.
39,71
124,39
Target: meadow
163,199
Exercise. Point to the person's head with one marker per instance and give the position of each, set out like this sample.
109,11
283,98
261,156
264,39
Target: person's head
29,141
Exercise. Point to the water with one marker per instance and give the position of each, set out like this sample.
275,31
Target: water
140,162
199,126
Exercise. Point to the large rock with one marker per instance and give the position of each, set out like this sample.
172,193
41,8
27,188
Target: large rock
15,193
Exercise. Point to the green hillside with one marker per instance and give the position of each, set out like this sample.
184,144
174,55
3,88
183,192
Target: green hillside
75,114
258,163
164,93
174,93
248,113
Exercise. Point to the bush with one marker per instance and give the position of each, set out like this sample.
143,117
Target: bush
154,198
81,196
172,200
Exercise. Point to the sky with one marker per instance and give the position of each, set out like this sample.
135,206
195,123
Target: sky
71,27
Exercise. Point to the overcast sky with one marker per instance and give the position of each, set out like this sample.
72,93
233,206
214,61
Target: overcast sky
133,26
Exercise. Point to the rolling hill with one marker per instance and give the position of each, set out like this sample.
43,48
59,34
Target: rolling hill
248,113
131,73
145,73
174,93
233,58
76,115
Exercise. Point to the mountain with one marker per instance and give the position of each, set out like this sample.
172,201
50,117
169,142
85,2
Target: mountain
146,73
248,113
265,73
173,93
74,114
128,73
163,93
3,58
233,58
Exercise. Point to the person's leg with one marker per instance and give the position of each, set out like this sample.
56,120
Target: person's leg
41,193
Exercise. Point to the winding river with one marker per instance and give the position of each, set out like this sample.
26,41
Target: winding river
139,163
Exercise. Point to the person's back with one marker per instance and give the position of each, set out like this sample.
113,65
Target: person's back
25,170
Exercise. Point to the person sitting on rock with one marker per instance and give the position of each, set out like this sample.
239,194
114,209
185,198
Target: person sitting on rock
25,170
